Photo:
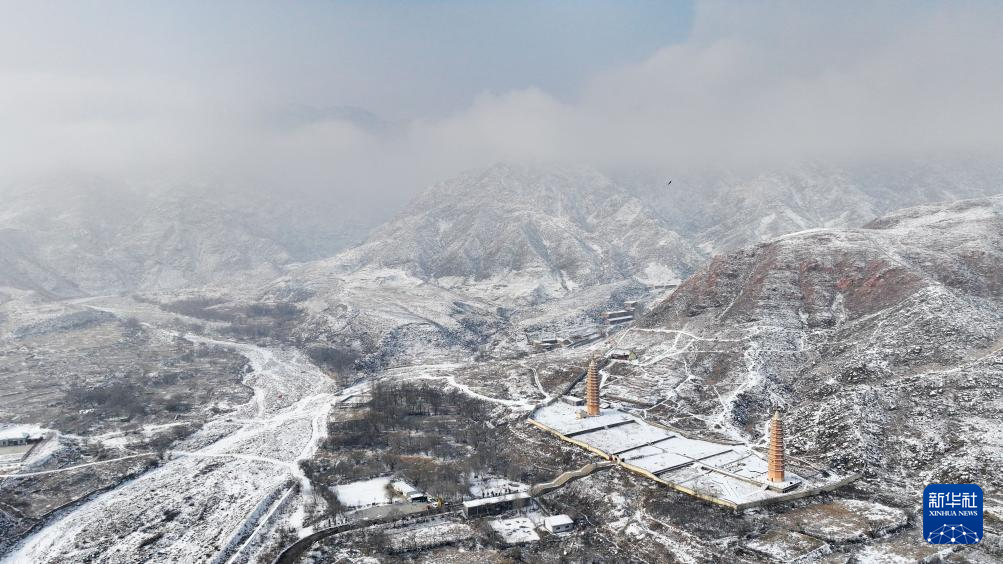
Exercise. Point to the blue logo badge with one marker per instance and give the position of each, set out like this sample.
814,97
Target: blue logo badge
952,514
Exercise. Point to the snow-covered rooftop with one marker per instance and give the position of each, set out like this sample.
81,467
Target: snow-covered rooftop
9,432
558,520
404,488
733,474
496,499
565,420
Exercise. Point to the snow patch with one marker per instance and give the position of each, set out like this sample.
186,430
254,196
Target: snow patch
364,493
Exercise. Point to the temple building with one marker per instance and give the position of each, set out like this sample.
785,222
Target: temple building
775,456
729,473
592,390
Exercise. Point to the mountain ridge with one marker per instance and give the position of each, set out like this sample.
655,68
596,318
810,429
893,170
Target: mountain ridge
568,227
859,334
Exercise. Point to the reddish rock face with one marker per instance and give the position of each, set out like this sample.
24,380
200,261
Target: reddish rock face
862,334
869,269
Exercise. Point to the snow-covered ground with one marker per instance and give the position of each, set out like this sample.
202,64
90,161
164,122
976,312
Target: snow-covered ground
428,534
482,486
364,493
202,503
516,530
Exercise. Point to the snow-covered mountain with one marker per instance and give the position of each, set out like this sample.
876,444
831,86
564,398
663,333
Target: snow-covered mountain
481,254
68,242
723,210
882,343
539,247
527,233
444,276
508,233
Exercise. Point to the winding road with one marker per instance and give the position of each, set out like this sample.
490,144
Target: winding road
203,503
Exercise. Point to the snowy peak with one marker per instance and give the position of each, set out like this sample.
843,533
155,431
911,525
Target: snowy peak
71,241
559,191
528,231
722,210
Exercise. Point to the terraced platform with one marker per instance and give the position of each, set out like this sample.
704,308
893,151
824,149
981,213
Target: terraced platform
732,475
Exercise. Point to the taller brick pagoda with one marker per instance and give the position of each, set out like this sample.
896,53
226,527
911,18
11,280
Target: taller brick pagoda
775,456
592,389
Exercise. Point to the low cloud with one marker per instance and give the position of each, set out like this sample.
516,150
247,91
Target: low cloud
798,87
755,85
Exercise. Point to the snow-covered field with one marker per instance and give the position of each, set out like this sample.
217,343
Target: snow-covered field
516,530
202,503
364,493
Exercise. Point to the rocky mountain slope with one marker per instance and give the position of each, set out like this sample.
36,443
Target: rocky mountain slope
528,234
507,233
532,247
480,257
884,345
724,210
881,343
68,242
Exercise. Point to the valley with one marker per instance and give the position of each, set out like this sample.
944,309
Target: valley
218,423
383,282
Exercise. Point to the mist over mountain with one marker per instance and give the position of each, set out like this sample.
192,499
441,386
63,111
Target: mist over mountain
724,209
535,230
75,240
301,115
860,333
494,282
532,232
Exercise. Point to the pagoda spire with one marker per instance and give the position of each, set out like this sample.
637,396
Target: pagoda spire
775,457
592,389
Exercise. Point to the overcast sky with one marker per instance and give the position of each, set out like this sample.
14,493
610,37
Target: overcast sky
387,97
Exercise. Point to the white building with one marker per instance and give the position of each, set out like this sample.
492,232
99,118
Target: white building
409,492
559,524
18,435
495,505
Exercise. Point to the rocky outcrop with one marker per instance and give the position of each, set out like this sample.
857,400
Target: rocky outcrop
527,233
883,343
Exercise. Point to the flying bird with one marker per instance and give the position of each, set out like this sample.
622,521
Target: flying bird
669,183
